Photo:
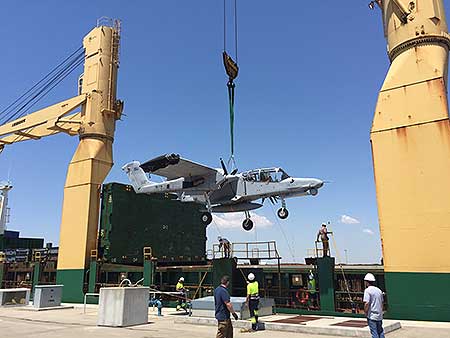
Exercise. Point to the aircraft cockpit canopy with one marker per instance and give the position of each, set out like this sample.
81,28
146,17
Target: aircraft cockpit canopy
265,175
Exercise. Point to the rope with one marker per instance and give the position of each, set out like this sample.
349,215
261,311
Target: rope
342,271
217,227
291,251
201,282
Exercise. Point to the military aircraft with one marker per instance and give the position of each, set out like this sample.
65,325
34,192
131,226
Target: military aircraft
218,190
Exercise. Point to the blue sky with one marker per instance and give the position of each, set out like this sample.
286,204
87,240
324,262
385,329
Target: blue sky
309,79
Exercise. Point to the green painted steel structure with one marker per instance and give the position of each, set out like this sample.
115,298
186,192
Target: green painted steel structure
222,267
325,271
416,296
92,275
149,272
73,281
37,268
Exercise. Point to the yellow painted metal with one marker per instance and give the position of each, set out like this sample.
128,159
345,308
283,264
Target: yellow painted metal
411,139
95,125
93,157
42,122
69,125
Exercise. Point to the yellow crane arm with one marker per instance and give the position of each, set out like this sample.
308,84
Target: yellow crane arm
44,122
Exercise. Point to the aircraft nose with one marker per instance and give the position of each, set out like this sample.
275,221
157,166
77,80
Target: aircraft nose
319,184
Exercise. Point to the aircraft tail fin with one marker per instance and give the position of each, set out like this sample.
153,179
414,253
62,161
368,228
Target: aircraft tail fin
136,175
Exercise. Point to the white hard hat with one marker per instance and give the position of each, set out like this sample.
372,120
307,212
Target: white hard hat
219,238
181,279
251,276
369,277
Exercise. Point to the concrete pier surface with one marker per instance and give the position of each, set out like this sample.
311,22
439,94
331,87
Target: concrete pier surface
73,323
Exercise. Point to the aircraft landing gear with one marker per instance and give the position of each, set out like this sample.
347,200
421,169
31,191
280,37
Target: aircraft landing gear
206,218
313,191
283,213
248,223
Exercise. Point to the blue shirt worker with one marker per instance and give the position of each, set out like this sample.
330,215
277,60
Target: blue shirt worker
224,309
373,306
253,300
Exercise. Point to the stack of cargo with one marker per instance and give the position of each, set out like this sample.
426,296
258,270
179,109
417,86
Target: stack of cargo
129,222
49,253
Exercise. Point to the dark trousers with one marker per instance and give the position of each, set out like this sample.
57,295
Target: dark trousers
253,309
326,248
224,329
226,250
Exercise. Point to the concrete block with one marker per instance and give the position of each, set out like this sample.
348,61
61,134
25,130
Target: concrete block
47,296
14,297
119,307
204,307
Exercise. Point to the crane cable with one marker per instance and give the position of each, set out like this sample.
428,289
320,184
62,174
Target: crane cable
232,69
27,100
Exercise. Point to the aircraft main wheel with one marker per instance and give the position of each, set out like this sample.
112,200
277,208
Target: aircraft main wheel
283,213
313,191
247,224
206,218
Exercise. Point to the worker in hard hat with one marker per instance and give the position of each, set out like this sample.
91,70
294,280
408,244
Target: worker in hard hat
253,300
323,236
182,293
373,306
225,244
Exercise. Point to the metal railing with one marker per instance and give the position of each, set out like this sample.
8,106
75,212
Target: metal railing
85,297
248,250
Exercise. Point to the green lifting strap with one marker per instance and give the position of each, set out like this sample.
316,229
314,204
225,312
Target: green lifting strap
231,86
232,70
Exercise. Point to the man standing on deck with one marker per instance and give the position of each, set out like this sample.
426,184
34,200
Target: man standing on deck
225,243
323,235
223,308
373,306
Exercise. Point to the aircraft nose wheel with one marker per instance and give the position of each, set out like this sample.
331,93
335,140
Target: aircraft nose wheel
313,191
247,224
283,213
206,218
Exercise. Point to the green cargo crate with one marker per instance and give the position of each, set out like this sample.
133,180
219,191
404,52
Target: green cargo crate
129,222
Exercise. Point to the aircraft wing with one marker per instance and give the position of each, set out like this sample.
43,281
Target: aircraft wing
172,166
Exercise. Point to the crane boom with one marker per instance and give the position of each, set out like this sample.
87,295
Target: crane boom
43,122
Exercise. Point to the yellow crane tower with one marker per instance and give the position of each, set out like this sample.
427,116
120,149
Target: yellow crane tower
94,123
410,139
